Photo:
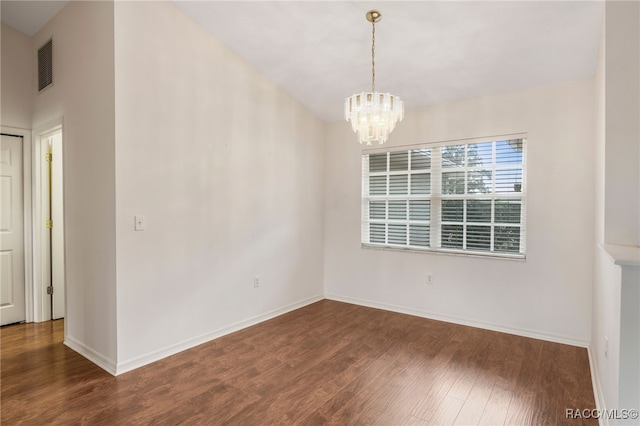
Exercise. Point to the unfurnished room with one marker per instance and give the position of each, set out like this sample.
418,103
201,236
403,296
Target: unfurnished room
320,212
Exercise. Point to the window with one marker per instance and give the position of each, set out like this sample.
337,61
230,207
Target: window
450,197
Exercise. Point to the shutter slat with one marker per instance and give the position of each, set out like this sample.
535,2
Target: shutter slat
398,184
421,183
421,159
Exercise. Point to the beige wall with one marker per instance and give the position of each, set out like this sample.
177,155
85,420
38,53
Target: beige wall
226,169
549,294
17,78
83,96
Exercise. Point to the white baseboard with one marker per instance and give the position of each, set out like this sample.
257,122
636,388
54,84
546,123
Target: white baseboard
458,320
157,355
125,366
98,359
597,388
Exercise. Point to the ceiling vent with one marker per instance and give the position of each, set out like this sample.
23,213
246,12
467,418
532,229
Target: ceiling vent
45,66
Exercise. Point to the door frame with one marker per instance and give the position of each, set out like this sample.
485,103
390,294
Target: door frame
41,277
27,215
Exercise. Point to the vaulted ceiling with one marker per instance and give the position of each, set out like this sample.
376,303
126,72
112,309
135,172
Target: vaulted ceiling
427,52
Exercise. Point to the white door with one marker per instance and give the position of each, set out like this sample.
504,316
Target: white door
12,307
57,233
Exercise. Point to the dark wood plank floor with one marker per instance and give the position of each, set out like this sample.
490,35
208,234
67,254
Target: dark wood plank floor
327,363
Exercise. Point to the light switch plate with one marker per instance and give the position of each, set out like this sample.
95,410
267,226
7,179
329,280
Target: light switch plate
139,223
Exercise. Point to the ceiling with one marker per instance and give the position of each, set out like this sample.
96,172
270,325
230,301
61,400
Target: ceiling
29,16
427,52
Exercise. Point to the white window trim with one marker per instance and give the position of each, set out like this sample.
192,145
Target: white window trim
436,198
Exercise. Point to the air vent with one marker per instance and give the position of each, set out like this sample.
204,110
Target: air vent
45,66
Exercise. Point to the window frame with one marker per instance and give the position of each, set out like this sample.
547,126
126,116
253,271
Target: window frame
436,199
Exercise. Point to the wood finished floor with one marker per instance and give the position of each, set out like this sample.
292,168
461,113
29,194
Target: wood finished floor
327,363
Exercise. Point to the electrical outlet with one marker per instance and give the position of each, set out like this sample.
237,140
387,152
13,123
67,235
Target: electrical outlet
256,281
429,279
606,347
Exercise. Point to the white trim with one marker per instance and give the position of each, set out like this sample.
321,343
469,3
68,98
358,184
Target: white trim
137,362
27,216
40,271
450,252
461,321
597,388
97,358
622,255
463,141
41,306
436,199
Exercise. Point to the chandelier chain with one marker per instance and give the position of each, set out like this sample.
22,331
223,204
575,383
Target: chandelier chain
373,57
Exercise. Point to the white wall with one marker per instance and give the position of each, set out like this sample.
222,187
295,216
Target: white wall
606,325
227,171
16,91
622,123
547,295
615,289
605,322
83,95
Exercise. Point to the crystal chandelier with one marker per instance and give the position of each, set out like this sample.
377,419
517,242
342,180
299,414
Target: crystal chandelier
373,115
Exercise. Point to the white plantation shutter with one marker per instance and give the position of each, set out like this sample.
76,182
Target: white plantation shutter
454,197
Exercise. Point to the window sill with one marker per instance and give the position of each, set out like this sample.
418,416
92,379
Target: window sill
499,256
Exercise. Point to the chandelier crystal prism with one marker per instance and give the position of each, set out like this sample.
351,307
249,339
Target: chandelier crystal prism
373,115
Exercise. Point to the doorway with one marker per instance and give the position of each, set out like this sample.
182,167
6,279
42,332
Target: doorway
49,300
